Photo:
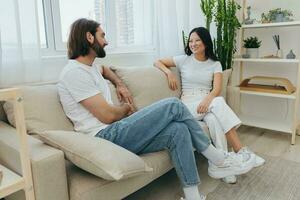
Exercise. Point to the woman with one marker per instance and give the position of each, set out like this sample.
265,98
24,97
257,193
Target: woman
201,76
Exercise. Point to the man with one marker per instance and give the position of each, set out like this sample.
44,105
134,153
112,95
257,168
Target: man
167,124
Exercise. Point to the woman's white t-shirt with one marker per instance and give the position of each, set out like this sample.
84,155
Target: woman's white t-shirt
197,80
196,74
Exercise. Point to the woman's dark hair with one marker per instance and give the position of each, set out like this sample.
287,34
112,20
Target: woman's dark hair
204,35
78,45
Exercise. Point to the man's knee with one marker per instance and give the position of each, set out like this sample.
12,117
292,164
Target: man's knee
180,131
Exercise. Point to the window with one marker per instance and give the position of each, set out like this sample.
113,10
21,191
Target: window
128,23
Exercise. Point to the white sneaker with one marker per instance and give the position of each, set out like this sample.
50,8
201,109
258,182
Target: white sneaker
234,164
230,179
202,197
258,160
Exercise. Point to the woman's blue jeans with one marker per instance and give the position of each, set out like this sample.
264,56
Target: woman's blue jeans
166,124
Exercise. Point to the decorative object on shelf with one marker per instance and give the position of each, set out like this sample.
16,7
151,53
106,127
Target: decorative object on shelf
227,23
252,44
291,55
184,39
248,20
279,52
268,84
277,15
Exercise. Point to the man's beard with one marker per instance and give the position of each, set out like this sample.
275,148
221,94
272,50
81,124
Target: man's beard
100,52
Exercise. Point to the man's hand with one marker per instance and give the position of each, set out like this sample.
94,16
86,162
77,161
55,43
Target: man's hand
124,94
132,109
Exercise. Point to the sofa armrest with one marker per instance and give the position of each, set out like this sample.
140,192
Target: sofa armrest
47,163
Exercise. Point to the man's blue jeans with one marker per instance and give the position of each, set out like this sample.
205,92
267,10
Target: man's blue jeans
166,124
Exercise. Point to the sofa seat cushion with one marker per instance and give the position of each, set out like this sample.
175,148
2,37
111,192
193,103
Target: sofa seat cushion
96,155
147,84
83,185
42,109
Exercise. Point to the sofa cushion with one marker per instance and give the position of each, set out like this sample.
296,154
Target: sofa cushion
96,155
86,186
42,109
147,84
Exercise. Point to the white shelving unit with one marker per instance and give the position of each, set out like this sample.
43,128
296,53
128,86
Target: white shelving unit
263,122
12,182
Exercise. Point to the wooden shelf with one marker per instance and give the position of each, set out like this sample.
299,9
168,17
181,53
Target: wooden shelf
265,123
267,60
278,24
11,182
284,96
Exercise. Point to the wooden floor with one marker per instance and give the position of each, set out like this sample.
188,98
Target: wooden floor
258,140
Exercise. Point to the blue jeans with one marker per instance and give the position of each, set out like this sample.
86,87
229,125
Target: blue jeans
166,124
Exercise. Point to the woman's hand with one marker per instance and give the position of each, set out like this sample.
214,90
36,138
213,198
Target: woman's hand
172,81
203,106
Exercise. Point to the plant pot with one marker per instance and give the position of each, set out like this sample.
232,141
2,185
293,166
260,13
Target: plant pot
279,18
252,52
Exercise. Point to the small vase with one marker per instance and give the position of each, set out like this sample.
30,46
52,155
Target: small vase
252,52
279,53
291,55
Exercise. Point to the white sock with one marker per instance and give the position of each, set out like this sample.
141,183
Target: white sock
214,155
191,193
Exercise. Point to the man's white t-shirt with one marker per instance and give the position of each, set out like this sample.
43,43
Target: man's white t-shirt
196,74
78,82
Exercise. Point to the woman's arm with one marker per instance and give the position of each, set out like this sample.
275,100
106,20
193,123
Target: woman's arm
164,65
216,91
217,85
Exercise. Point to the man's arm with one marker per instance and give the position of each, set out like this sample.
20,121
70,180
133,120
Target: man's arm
122,91
110,75
105,112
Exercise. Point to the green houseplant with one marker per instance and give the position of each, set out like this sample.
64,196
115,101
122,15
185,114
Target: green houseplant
252,44
277,15
223,13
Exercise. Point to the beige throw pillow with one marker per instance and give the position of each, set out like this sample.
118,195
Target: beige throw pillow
96,155
42,109
147,84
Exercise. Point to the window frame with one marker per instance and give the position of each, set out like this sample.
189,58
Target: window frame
56,46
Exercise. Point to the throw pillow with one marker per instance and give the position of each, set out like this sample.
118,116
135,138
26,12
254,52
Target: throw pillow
96,155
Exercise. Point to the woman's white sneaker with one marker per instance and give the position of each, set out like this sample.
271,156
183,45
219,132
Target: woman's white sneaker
230,179
258,160
202,197
234,164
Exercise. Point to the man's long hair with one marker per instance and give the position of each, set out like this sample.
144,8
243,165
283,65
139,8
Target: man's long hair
78,45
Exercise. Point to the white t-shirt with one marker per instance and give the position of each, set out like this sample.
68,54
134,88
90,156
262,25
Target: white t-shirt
78,82
196,74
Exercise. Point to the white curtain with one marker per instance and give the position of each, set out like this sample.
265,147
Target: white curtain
173,16
19,42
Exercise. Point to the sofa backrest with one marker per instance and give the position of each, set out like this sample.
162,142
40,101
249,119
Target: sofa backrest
147,84
43,110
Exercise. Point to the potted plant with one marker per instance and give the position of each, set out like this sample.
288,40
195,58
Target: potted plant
252,44
223,13
277,15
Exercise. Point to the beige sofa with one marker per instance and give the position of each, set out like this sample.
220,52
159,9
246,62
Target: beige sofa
56,178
